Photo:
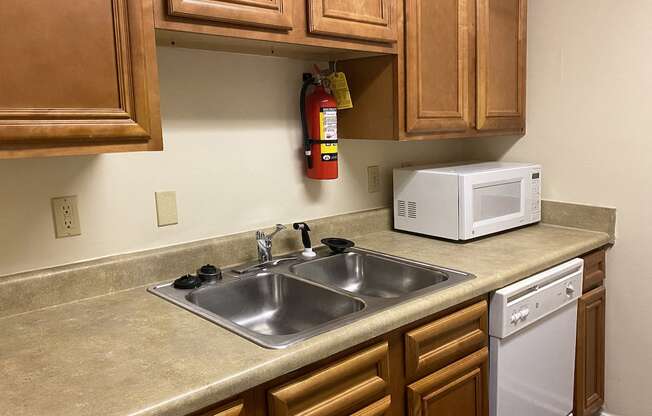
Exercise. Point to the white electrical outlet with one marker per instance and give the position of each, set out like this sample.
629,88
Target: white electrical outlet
166,208
66,216
373,179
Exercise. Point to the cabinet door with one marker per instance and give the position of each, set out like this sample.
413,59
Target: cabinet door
438,59
501,49
77,77
373,20
459,389
275,14
355,385
589,358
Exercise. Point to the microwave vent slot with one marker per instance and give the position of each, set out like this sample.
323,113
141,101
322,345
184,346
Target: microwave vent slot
401,208
412,209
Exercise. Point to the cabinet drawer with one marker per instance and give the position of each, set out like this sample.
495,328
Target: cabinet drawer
232,409
594,270
357,385
378,408
439,343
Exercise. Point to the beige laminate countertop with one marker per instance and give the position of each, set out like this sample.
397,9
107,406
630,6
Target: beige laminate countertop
132,353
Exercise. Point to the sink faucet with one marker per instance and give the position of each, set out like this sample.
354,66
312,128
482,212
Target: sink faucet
264,243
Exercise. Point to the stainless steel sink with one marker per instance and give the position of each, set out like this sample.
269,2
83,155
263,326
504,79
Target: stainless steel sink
279,304
370,274
274,304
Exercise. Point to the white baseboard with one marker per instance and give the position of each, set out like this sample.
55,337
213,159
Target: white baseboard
603,413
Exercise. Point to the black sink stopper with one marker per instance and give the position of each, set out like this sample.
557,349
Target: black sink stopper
338,245
188,281
209,273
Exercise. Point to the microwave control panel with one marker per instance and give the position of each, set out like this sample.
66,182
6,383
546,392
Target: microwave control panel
535,193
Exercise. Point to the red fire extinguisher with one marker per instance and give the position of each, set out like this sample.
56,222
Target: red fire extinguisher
319,125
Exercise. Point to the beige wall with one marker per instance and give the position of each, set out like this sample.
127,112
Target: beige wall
589,114
233,154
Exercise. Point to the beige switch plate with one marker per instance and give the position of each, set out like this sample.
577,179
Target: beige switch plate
166,208
373,179
66,216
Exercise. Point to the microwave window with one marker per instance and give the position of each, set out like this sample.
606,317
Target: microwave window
496,200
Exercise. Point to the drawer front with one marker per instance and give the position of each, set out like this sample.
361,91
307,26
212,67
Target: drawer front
594,270
440,343
232,409
355,385
379,408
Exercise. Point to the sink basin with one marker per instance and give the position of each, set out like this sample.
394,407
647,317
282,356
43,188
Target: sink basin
274,304
369,274
292,299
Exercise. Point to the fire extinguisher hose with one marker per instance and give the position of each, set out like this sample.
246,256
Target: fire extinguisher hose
307,81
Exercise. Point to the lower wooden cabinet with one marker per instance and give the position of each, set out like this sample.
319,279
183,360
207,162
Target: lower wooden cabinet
589,358
446,340
589,355
230,409
355,385
459,389
437,366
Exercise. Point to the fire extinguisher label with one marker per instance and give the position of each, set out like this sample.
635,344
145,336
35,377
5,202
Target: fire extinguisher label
328,131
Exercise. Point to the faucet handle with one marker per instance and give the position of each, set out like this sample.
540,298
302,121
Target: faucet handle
279,227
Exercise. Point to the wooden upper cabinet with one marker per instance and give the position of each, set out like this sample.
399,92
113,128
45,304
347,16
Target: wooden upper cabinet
372,20
77,77
275,14
438,64
501,50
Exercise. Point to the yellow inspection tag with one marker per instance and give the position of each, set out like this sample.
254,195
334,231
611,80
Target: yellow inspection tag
340,89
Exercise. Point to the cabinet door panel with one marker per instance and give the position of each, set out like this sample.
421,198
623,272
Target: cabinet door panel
501,49
373,20
459,389
438,64
276,14
343,388
77,72
589,358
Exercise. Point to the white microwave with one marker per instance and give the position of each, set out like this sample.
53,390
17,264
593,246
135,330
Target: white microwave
466,201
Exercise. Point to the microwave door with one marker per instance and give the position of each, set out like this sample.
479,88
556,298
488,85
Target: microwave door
492,203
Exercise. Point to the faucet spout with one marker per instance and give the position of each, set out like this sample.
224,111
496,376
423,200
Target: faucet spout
264,243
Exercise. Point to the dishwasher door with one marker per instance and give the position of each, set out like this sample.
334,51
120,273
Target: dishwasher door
532,344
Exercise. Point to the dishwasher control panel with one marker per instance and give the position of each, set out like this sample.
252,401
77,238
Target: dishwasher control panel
525,302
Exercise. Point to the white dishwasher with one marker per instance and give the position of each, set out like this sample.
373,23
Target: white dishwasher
532,327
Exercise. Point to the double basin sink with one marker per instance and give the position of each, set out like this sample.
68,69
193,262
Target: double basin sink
294,299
